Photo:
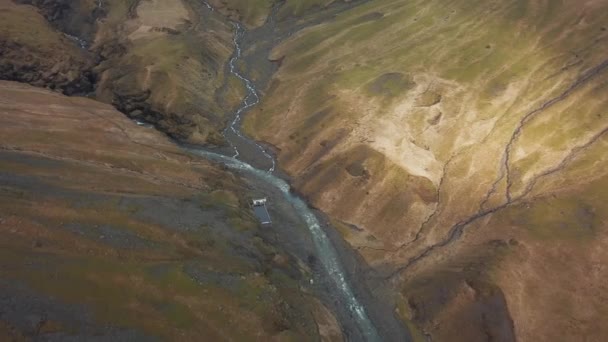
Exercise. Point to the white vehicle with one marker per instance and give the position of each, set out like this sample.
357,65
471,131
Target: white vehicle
260,211
258,202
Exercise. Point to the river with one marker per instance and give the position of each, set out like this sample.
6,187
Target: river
233,131
250,158
325,251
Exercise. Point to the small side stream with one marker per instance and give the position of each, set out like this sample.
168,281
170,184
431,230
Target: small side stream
251,99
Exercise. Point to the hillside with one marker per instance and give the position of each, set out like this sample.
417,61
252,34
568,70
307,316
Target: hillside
158,61
461,147
136,238
164,62
32,51
108,230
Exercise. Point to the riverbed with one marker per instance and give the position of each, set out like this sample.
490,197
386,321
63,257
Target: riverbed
337,268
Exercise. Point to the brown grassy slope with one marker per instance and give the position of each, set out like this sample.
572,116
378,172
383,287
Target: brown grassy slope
418,120
543,254
250,13
159,61
344,103
254,13
295,8
77,18
165,64
32,51
107,224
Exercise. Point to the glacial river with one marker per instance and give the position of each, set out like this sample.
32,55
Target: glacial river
325,251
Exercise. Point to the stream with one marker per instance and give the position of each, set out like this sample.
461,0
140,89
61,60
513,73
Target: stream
326,253
251,99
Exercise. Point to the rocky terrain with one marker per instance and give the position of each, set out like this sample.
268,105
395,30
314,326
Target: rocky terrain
461,147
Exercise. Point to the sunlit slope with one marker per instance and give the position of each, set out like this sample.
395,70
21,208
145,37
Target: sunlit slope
254,13
467,142
294,8
251,13
163,62
395,95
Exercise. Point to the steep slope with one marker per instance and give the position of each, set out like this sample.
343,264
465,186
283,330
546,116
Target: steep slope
157,61
108,230
75,18
250,13
32,51
164,63
254,13
462,146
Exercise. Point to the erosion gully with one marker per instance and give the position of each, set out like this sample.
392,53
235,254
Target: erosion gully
337,279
